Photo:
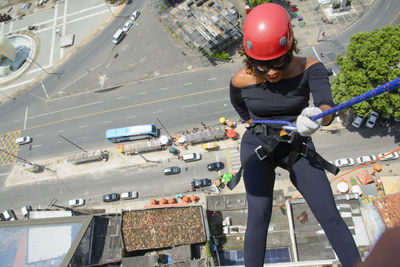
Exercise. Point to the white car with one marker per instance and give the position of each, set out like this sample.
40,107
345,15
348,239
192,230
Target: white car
372,118
76,202
392,156
344,162
357,121
135,14
127,26
364,159
9,215
23,140
25,211
130,195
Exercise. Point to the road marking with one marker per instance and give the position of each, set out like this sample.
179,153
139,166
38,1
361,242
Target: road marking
212,79
120,97
159,111
16,84
61,131
26,117
395,18
34,146
316,54
88,16
142,93
187,83
5,173
204,103
164,88
64,26
128,107
62,110
53,35
69,15
83,126
38,135
105,122
80,77
130,117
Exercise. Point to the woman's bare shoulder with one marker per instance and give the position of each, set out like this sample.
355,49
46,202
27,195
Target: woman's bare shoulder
243,78
311,61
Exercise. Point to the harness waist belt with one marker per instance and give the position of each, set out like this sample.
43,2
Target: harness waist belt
298,148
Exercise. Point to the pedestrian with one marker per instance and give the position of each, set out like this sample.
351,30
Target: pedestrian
274,84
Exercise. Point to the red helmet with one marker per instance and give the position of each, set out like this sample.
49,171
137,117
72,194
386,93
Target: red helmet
267,32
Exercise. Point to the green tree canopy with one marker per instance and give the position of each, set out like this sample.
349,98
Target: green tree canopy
372,59
254,3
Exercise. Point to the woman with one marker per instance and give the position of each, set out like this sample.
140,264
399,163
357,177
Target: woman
276,85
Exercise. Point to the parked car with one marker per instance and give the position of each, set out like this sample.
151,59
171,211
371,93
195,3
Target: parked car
357,121
127,26
25,211
364,159
344,162
172,170
372,118
215,166
200,183
111,197
23,140
76,202
9,215
135,15
129,195
191,157
391,156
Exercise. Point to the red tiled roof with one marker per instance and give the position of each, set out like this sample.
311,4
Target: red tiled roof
162,227
389,209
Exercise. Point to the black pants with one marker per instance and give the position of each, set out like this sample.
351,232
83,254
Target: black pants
311,181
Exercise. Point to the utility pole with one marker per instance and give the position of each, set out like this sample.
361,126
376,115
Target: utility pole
72,143
165,129
25,161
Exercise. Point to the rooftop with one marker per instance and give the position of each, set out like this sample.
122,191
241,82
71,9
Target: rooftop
162,227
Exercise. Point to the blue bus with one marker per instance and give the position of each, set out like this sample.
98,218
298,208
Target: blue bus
145,131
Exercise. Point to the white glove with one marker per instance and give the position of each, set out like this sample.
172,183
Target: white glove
305,126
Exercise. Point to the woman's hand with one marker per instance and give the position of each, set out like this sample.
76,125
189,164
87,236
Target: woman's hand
305,126
249,121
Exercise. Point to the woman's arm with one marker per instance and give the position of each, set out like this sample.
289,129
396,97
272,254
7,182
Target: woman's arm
327,119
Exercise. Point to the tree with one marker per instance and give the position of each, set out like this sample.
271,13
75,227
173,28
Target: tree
255,3
372,59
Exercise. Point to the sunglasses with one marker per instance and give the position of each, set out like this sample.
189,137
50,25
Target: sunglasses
263,66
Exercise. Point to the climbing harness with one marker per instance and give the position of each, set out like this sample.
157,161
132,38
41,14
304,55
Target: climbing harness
288,134
298,144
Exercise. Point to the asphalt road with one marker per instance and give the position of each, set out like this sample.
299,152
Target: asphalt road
180,101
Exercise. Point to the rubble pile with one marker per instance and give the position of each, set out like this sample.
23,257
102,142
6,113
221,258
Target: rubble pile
209,26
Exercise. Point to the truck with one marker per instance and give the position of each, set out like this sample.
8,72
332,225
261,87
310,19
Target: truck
141,146
86,157
205,136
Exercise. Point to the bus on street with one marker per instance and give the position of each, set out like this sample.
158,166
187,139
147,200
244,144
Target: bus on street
145,131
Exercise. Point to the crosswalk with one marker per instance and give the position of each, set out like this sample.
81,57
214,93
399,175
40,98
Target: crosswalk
234,160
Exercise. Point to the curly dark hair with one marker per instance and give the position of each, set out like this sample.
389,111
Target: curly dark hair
248,61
